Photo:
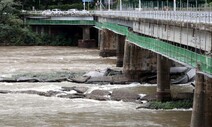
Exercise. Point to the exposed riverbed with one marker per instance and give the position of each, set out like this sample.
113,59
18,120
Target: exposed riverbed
29,110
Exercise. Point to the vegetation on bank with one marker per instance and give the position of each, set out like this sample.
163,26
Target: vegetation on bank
177,104
14,32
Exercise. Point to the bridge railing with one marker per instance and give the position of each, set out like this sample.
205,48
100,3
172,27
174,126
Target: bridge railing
183,16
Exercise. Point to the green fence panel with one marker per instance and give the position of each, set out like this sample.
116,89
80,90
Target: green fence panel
60,22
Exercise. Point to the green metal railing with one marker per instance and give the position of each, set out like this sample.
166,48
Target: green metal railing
60,22
180,54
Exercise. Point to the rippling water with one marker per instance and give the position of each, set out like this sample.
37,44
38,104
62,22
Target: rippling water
25,110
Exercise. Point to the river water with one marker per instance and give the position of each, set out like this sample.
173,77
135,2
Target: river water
27,110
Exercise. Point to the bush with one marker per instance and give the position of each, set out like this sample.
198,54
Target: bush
171,104
16,35
78,6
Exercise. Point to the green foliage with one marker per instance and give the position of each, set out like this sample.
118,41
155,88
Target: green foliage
16,35
171,104
56,40
78,6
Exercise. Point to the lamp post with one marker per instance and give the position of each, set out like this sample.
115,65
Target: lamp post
84,5
120,5
174,5
139,5
100,5
108,5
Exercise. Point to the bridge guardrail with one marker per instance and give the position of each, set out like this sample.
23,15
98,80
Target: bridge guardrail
183,16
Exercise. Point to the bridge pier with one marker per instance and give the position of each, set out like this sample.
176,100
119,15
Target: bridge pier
120,50
86,42
202,111
86,32
107,43
163,78
138,62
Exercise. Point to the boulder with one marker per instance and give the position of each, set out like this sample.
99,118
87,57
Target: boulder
184,96
101,95
72,96
124,95
80,89
4,91
151,97
56,80
27,79
64,88
81,79
105,79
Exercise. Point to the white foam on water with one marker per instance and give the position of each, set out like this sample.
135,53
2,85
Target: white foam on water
110,87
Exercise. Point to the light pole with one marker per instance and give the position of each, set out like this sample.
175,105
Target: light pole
174,5
84,4
100,5
120,5
139,5
108,5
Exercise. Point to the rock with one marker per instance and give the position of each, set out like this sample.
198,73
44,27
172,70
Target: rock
110,72
56,80
80,89
124,95
101,95
151,97
81,79
94,74
72,96
4,91
67,88
105,79
146,105
27,79
50,93
46,94
29,92
7,80
184,96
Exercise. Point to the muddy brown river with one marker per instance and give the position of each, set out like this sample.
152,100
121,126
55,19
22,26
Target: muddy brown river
26,110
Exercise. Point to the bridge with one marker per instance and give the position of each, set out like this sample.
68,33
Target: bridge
148,41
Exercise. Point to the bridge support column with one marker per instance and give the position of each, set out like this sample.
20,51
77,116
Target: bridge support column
202,111
120,50
138,62
107,43
163,78
42,30
86,42
86,32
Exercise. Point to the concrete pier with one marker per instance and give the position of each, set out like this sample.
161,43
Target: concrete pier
120,50
202,105
163,78
86,32
138,62
107,43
